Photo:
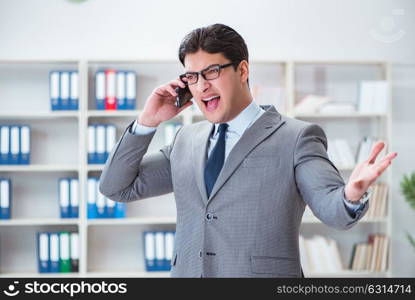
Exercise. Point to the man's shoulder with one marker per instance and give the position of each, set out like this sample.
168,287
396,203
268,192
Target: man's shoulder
295,125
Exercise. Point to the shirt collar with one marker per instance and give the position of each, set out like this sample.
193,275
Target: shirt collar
242,121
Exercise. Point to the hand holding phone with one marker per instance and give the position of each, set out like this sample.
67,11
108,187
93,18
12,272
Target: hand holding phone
183,95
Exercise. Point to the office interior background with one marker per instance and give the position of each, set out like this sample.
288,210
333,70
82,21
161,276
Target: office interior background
347,65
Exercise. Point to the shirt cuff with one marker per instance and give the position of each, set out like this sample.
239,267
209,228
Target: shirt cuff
351,208
138,129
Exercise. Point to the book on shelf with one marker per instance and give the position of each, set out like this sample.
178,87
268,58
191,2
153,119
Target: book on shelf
14,145
101,140
57,252
371,256
64,90
310,104
373,96
319,255
378,202
365,148
158,250
115,89
340,153
69,197
5,198
99,206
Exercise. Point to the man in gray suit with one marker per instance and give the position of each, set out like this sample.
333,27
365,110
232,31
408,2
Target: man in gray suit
242,178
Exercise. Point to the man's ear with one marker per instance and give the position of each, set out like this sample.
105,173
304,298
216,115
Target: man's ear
243,70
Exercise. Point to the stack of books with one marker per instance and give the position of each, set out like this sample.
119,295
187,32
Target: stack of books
340,153
371,256
319,255
373,96
378,203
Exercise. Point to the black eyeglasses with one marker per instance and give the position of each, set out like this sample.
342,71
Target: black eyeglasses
209,73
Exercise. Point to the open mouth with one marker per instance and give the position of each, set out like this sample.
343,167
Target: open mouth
211,103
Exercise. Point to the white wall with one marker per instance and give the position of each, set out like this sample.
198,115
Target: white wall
327,29
295,29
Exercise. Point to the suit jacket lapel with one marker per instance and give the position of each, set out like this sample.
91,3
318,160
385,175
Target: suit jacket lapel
268,123
200,143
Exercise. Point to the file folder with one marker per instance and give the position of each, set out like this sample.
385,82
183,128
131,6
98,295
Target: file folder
74,91
121,89
110,208
131,90
169,248
64,197
43,252
64,90
74,241
110,140
92,159
5,199
110,101
54,252
100,204
92,198
14,145
74,198
100,148
25,145
120,208
159,241
100,90
64,259
149,251
4,145
54,90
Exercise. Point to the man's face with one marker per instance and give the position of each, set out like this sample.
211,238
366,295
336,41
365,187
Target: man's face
223,92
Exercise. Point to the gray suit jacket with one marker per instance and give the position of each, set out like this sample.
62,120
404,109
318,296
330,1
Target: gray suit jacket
249,226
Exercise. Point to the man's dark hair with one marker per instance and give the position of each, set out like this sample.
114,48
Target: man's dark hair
216,38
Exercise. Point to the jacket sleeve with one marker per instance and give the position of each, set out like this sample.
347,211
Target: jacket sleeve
131,174
319,182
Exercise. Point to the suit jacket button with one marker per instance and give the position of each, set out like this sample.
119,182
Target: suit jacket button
209,216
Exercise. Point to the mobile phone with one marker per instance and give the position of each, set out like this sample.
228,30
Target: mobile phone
183,95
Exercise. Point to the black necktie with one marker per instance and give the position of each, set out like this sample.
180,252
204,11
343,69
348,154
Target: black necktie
215,162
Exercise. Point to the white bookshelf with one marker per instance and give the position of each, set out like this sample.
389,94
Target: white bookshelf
113,247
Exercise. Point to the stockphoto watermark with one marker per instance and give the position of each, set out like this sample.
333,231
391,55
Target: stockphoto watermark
388,30
71,289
